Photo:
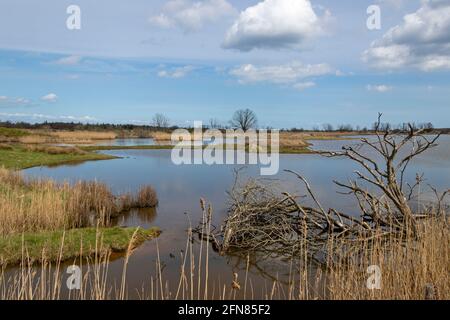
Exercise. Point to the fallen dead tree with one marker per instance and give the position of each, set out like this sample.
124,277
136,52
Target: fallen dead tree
263,219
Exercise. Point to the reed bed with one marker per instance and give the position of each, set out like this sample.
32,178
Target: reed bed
411,268
82,135
161,136
55,149
46,136
43,205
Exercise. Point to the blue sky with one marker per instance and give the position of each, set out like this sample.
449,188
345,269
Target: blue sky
296,63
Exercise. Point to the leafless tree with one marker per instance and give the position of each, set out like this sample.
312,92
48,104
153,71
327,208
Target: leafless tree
244,119
327,127
261,218
161,121
214,124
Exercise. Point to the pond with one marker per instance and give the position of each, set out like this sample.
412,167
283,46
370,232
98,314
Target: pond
180,188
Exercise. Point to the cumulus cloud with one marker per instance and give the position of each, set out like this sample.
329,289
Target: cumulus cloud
191,15
275,24
280,74
51,97
68,61
379,88
421,41
176,73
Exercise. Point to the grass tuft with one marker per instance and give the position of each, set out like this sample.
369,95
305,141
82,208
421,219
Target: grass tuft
49,246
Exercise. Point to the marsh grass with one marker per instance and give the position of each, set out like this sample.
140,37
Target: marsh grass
63,245
69,150
50,136
33,205
408,268
27,156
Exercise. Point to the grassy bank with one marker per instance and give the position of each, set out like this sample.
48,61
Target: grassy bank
33,214
22,157
44,205
53,246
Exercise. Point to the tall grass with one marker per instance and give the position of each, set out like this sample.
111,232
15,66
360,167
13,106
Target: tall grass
55,149
46,136
82,135
44,205
408,267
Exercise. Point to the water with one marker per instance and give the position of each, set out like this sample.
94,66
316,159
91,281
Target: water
126,142
180,188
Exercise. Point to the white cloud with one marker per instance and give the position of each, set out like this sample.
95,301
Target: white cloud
14,101
40,116
191,15
379,88
68,61
176,73
304,85
274,24
280,74
422,40
21,100
162,21
51,97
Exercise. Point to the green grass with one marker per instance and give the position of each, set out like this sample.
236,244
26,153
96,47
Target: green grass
19,158
12,133
47,245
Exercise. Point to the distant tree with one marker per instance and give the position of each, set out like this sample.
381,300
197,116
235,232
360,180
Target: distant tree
214,124
244,119
345,128
161,121
327,127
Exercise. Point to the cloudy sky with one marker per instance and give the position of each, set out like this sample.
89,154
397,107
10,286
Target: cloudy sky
296,63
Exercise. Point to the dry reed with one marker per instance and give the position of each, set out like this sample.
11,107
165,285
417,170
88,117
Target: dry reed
30,205
409,267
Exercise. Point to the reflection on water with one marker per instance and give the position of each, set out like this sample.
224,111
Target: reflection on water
180,188
126,142
140,217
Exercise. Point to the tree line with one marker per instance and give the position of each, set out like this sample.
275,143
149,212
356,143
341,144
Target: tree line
244,119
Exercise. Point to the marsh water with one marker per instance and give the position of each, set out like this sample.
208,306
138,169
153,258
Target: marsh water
179,191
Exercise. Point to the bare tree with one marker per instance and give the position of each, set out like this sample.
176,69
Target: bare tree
327,127
260,218
161,121
214,123
244,119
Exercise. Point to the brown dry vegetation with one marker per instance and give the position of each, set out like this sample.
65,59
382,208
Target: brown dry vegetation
67,136
44,205
411,269
161,136
48,137
55,149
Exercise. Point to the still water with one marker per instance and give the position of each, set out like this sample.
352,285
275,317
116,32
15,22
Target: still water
180,188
